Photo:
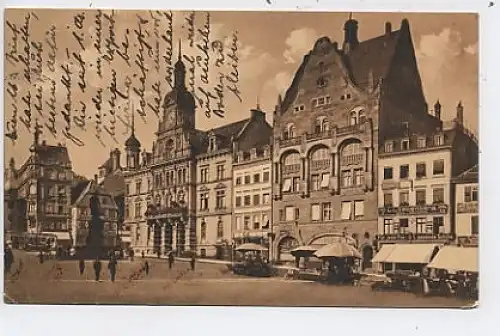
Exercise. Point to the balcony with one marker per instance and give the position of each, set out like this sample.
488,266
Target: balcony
415,237
440,209
319,135
290,142
469,207
472,241
353,159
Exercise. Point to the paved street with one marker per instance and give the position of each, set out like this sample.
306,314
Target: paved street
59,282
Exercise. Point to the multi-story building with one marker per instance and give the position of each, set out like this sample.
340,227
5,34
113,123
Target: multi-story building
467,207
416,193
14,207
89,196
252,189
111,179
138,186
189,176
44,182
341,104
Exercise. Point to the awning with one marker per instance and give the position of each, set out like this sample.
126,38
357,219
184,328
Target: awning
407,253
454,258
59,235
384,253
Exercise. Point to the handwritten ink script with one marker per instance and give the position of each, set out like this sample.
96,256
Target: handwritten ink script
82,73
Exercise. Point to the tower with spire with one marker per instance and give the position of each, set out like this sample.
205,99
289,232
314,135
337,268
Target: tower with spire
132,147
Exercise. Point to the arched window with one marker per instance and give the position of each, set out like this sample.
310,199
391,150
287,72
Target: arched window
320,154
203,231
325,126
351,161
351,149
361,116
291,131
320,169
291,159
353,118
220,229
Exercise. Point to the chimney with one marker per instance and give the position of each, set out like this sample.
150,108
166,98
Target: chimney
95,179
437,110
350,34
460,113
388,28
115,160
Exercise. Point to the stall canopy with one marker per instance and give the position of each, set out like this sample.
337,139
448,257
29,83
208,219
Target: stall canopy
251,247
405,253
454,258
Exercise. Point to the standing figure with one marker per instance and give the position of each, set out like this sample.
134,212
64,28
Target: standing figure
131,254
81,265
143,255
158,253
97,269
192,262
40,257
112,268
170,260
146,267
8,259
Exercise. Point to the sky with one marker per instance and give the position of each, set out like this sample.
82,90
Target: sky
271,46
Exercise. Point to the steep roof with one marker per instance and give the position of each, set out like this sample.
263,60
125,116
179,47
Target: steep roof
77,189
369,60
48,154
114,184
471,175
223,135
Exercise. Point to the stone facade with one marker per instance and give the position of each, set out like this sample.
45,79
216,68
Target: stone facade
467,207
341,104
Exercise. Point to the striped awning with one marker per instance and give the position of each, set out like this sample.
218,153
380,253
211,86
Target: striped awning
454,258
406,253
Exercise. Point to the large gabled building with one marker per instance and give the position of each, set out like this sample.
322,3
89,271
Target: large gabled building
343,101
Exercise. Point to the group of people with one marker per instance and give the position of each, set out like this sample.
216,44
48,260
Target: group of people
113,264
97,266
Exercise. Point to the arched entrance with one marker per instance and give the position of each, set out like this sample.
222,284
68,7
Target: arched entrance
285,246
367,252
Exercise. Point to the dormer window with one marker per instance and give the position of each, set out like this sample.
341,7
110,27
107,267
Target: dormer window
438,140
211,143
389,146
421,142
405,144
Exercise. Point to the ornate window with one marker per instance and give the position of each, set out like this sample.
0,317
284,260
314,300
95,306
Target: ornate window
352,159
357,116
203,231
220,228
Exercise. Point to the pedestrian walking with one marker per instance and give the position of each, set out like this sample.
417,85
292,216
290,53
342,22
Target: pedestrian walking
131,254
143,255
170,260
81,265
112,268
97,268
192,262
8,259
40,257
146,267
158,253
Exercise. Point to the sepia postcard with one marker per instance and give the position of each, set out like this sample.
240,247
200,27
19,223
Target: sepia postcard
158,157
